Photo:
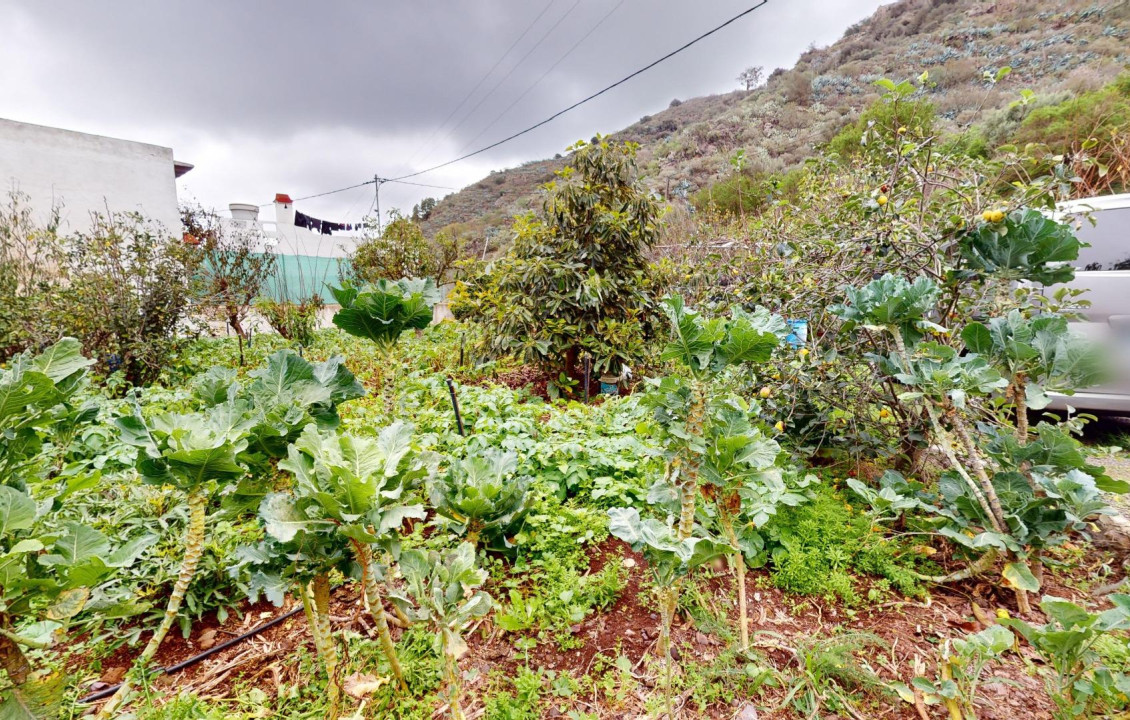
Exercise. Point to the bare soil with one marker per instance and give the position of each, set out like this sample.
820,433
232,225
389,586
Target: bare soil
910,630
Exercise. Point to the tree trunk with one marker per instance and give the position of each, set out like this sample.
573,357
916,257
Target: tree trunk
193,549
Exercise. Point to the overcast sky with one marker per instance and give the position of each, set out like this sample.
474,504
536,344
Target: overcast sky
303,97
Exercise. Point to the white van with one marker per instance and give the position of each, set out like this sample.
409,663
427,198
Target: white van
1103,269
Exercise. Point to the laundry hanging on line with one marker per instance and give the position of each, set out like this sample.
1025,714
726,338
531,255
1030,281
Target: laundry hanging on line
323,227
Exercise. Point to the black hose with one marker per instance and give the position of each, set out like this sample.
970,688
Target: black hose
107,692
455,405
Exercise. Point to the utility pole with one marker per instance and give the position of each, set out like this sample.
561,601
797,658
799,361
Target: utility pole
377,180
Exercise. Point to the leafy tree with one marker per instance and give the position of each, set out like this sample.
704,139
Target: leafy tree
897,114
297,321
576,279
401,250
423,209
751,77
1004,492
127,293
443,590
233,265
30,254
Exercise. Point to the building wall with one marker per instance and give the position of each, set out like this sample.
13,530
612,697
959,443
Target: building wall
86,173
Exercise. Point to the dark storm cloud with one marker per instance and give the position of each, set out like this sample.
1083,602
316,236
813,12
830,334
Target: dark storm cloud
311,96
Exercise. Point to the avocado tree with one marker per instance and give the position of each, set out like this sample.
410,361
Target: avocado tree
444,591
576,280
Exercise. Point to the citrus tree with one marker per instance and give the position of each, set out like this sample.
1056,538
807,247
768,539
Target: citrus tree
1006,491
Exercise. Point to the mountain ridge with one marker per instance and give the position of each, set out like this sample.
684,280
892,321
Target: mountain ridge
1059,47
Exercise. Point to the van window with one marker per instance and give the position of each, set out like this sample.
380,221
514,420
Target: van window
1109,239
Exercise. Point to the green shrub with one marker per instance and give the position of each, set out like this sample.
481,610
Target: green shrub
297,321
916,115
127,294
737,194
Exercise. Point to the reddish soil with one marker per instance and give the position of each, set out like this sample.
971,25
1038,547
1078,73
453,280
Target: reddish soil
909,630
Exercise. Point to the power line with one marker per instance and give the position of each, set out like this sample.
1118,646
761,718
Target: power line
328,192
482,80
401,182
590,97
510,72
551,118
543,75
398,181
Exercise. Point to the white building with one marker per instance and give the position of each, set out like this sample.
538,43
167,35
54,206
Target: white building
81,173
308,259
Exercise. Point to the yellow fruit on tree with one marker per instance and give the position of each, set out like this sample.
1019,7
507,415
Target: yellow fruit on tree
882,200
765,392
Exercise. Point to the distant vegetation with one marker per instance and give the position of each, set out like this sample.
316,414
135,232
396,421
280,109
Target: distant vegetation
1071,47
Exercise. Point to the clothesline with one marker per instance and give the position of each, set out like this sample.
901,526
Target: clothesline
324,227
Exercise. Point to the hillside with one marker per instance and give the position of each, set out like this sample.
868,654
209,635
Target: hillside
1067,46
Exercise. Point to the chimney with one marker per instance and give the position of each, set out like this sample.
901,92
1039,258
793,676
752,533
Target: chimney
244,212
284,209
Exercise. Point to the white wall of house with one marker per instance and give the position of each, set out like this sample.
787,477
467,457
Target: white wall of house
84,173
